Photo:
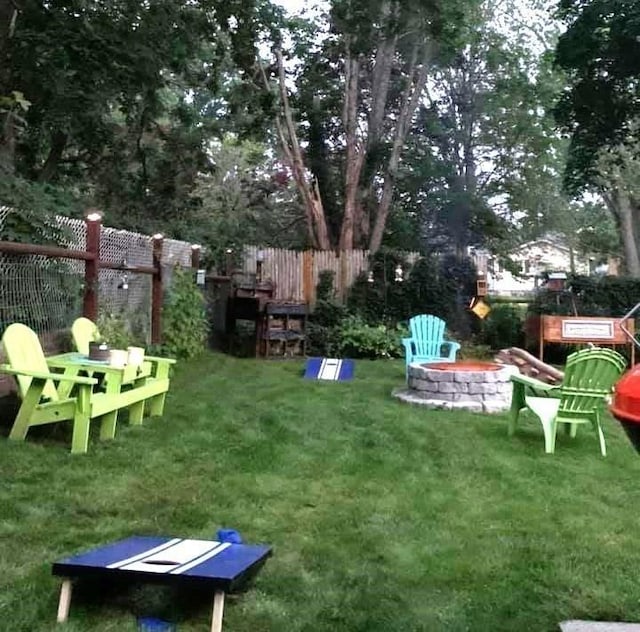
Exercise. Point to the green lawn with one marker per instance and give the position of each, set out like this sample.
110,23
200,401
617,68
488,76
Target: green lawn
384,517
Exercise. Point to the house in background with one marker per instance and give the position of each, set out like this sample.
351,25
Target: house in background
534,259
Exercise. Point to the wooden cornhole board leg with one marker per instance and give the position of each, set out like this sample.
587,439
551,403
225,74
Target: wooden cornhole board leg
65,601
218,611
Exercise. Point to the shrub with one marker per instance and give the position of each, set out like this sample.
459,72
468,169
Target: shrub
503,327
323,326
185,327
358,339
474,351
590,296
323,333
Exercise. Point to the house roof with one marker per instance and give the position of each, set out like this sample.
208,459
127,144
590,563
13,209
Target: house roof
552,241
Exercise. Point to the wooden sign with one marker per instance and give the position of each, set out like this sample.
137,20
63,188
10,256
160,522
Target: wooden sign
588,330
584,329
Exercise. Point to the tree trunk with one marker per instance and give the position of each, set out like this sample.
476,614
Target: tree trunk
58,143
622,207
380,83
410,100
355,153
307,188
8,16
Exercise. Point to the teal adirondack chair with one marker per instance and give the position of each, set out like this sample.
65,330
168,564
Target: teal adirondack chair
427,343
588,380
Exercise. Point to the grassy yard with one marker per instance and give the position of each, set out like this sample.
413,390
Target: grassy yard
383,517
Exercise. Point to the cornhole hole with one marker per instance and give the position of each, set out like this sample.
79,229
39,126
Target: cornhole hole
330,369
222,566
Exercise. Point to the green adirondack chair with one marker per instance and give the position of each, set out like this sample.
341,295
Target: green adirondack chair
84,331
40,390
588,380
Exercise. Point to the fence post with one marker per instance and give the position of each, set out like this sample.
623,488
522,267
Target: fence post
307,277
156,291
195,256
93,223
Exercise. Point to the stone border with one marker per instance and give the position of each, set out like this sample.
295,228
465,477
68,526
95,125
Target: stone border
475,391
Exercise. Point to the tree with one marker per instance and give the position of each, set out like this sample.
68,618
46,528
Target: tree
244,200
122,98
357,95
485,164
599,53
601,109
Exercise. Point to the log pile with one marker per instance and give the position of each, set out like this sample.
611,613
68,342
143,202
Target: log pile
529,365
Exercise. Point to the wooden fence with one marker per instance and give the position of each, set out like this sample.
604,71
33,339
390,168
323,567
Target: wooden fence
296,273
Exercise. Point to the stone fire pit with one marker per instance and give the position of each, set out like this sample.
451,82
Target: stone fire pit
481,387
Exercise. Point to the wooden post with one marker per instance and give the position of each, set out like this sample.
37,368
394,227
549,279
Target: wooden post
307,277
541,330
156,291
228,262
218,611
195,256
93,223
65,601
342,291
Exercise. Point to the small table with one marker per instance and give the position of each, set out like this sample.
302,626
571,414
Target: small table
72,363
219,565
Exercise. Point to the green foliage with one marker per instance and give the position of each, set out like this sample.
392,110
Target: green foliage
242,202
384,300
599,52
503,327
115,330
590,296
324,289
358,339
117,102
34,206
376,313
480,157
185,327
323,328
474,351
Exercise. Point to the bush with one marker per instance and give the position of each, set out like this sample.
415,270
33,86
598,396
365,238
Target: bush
590,296
440,287
372,322
323,328
474,351
358,339
185,327
503,327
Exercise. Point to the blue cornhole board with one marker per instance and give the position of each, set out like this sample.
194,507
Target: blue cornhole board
330,369
222,566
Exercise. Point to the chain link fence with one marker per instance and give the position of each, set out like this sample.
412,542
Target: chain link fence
46,293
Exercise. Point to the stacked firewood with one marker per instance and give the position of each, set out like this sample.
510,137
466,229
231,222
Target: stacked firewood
529,365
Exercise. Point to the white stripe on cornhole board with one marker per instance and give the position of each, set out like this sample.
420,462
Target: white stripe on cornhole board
203,558
330,369
175,557
139,556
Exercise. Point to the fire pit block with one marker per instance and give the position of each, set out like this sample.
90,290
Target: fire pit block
481,387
